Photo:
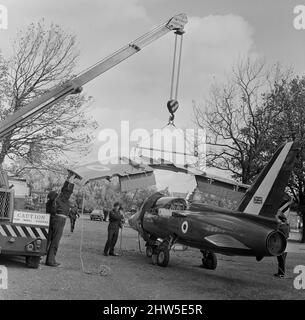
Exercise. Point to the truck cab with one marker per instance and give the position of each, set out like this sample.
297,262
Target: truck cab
22,232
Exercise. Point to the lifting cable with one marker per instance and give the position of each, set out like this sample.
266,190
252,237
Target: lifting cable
172,104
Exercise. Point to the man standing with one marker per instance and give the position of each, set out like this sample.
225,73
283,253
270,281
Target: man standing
51,209
284,228
115,223
73,215
106,213
58,220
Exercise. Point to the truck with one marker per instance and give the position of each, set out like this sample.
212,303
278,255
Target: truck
25,232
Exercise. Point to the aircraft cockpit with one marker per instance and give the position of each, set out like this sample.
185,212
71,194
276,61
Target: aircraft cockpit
169,203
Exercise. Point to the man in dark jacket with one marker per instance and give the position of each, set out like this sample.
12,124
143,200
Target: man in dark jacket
50,208
284,228
58,220
106,213
115,223
73,215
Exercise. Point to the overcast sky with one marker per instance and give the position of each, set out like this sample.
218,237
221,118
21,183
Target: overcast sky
137,90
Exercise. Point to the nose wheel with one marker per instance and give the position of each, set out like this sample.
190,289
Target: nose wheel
160,257
209,260
159,253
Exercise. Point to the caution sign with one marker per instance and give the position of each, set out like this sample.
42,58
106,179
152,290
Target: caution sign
31,218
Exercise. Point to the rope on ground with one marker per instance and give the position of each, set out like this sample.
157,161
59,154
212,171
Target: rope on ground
104,270
121,235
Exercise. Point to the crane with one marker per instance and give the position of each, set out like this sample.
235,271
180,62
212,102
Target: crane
23,232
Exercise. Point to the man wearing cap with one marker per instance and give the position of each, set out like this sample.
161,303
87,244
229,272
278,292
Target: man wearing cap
61,208
115,223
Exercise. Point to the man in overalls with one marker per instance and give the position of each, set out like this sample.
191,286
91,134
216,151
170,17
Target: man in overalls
58,220
115,223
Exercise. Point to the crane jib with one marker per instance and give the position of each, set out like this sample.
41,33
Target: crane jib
57,93
27,112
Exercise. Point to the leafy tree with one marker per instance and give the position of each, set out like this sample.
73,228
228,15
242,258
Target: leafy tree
285,108
103,194
42,58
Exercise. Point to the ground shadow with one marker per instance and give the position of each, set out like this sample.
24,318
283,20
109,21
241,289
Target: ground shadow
12,261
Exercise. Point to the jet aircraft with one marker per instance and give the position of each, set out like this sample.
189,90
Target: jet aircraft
250,230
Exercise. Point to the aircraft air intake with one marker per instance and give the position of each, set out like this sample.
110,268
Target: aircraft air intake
276,243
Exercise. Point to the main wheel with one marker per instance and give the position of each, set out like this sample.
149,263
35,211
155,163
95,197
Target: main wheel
149,251
163,257
32,262
209,261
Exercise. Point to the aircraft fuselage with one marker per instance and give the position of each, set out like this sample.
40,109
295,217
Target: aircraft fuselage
216,232
209,228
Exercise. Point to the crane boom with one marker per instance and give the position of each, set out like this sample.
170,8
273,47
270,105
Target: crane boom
57,93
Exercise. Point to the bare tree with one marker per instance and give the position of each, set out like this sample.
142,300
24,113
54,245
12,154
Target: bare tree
4,86
234,130
43,57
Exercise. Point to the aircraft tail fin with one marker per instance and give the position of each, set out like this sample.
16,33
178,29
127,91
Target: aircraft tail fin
267,193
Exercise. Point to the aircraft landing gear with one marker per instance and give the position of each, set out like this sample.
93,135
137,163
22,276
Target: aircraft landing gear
209,260
149,251
152,252
160,253
162,257
151,247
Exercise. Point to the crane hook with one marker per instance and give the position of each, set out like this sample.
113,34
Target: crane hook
172,106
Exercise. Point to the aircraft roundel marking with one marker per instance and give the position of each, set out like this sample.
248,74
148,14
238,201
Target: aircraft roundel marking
184,227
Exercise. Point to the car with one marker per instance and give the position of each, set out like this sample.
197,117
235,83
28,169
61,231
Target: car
87,210
97,214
